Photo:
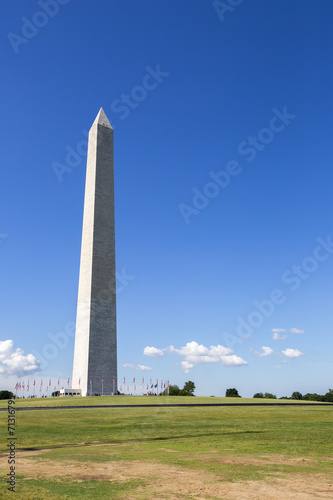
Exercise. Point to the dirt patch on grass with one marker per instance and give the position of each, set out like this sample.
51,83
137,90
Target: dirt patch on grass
257,461
298,488
172,482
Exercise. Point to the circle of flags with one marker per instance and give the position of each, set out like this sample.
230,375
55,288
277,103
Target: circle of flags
24,389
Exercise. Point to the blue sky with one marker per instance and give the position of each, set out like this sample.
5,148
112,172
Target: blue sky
222,122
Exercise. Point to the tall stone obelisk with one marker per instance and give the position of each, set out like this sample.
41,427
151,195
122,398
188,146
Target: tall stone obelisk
95,352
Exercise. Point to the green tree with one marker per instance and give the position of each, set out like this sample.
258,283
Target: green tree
55,394
6,395
268,395
313,397
296,395
232,393
328,397
172,390
259,395
188,389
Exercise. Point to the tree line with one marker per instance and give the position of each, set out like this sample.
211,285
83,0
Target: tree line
174,390
189,387
327,398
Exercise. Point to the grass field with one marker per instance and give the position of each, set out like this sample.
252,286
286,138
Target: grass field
187,452
142,400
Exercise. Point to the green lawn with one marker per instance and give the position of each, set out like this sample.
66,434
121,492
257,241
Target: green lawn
179,437
116,400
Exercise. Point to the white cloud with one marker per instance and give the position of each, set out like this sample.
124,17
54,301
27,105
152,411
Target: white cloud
277,331
266,351
186,366
233,360
14,362
296,330
153,352
142,368
198,353
292,353
195,354
202,359
276,336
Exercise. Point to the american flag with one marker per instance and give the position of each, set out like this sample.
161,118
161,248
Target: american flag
133,381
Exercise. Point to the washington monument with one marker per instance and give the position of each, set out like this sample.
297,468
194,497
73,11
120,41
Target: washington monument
95,352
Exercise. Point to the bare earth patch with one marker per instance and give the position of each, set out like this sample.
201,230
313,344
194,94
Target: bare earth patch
259,460
171,482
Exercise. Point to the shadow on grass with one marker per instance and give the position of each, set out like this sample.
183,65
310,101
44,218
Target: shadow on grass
139,440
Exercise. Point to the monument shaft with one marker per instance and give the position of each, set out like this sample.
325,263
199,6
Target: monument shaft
95,352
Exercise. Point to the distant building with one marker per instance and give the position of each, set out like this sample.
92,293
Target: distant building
70,392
